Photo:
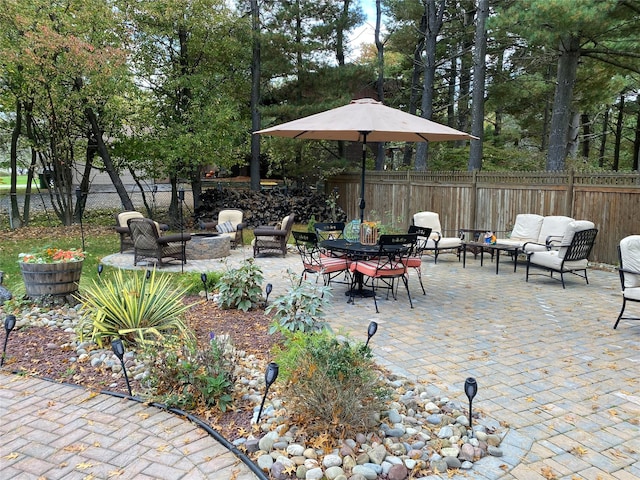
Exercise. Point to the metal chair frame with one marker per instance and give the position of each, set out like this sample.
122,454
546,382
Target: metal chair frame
314,262
415,260
579,249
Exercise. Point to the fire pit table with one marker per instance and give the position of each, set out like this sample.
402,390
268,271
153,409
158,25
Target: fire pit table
204,246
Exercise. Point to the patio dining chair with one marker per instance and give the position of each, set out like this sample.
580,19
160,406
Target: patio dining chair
315,263
572,254
415,259
629,256
388,265
329,231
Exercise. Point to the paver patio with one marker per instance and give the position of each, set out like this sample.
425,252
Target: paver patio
548,364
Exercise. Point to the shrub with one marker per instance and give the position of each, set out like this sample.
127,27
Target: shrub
300,308
187,377
331,384
135,308
241,288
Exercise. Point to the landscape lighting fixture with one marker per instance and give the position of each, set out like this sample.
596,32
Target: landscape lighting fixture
148,275
371,331
470,389
268,290
118,348
9,324
203,278
269,377
80,209
100,269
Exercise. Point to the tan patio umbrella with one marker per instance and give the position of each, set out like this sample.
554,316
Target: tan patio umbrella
366,120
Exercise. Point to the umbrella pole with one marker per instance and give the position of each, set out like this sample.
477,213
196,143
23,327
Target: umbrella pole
364,166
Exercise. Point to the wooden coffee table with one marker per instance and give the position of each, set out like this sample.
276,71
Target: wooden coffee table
494,248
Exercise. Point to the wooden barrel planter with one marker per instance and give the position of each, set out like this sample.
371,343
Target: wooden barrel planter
51,279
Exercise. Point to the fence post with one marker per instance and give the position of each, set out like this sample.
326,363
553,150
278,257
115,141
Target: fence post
474,198
407,203
570,184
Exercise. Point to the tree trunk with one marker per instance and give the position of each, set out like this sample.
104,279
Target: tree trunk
83,188
451,92
255,96
15,219
415,83
573,136
586,136
497,127
28,107
546,117
636,140
619,124
603,141
466,64
560,118
434,24
380,83
479,71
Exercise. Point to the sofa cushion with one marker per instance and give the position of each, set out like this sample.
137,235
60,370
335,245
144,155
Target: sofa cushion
553,260
569,232
554,226
429,220
630,249
527,228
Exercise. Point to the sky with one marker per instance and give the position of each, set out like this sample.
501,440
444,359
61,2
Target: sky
366,32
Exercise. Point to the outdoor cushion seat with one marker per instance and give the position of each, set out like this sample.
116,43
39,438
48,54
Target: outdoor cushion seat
273,237
572,253
147,243
437,241
629,256
229,224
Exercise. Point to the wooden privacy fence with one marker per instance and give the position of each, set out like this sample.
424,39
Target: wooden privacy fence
491,200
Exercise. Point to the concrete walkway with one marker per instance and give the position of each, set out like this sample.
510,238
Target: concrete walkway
548,364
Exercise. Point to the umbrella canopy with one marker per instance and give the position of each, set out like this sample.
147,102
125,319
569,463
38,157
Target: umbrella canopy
366,120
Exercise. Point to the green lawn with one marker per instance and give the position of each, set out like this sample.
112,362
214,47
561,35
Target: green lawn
21,184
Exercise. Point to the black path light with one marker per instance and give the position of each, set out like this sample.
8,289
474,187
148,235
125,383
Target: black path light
9,324
470,389
203,278
80,208
268,289
118,348
269,377
148,275
371,331
100,269
184,257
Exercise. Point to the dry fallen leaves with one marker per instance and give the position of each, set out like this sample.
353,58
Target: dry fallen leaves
548,473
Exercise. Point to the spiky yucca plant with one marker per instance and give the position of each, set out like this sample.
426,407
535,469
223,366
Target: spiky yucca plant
133,307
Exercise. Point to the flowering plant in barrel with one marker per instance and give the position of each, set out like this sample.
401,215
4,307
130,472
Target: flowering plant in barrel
51,271
52,255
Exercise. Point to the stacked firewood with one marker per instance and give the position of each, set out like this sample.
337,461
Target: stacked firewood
268,207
